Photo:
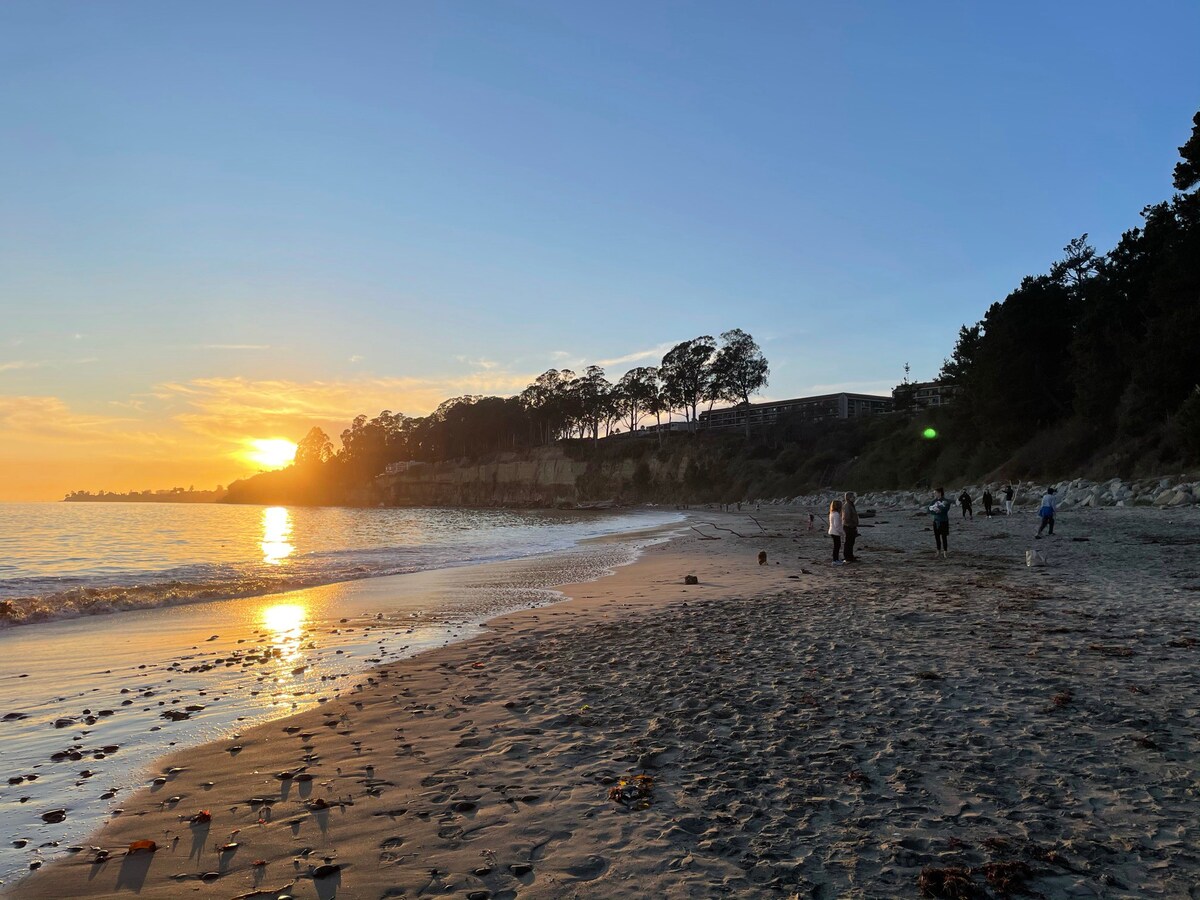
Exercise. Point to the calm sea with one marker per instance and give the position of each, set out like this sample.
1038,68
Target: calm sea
63,560
132,630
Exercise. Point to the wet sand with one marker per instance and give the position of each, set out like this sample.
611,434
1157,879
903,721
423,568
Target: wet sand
866,730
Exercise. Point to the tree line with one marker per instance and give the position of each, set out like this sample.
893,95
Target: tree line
1092,362
1098,351
558,404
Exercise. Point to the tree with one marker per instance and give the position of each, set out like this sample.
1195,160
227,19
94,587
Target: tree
635,394
1187,170
686,372
314,448
738,370
1078,265
592,392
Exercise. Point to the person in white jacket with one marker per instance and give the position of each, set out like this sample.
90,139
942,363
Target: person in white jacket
836,531
1047,510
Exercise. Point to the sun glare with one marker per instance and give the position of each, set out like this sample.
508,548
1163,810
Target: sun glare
273,453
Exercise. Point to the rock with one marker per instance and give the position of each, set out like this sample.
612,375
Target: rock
326,870
54,816
690,579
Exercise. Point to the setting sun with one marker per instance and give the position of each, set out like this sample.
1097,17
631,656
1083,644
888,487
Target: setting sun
274,453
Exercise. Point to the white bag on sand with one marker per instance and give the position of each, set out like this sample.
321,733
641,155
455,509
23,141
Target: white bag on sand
1035,558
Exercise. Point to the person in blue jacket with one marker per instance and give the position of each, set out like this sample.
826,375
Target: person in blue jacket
940,510
1047,510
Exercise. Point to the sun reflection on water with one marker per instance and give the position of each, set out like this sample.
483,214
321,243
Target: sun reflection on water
285,626
277,528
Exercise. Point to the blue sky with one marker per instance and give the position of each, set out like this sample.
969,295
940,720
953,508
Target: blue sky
429,199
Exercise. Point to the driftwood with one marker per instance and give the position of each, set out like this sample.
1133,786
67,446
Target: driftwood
703,536
719,528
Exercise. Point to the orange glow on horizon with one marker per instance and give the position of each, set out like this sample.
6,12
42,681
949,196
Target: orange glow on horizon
272,453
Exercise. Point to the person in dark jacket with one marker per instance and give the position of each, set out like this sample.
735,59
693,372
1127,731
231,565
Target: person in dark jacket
964,500
987,502
849,526
940,510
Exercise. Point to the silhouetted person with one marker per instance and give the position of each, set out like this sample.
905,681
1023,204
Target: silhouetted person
940,510
987,502
1008,499
1046,511
964,500
850,526
836,530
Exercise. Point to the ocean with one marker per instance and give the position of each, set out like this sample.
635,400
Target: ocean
130,630
64,560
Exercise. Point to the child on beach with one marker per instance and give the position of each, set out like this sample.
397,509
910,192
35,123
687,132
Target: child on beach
812,522
1008,499
940,510
964,500
835,529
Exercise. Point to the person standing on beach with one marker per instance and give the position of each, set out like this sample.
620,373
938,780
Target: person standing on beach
836,530
964,500
940,510
1046,511
987,502
849,526
1008,499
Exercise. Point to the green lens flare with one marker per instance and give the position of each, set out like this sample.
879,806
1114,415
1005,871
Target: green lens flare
929,433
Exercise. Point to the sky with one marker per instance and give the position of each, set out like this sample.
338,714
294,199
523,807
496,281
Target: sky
222,222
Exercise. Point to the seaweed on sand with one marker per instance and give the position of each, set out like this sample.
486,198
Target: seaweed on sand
1008,877
947,883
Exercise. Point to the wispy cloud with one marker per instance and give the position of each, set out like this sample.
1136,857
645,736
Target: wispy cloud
229,409
655,353
19,364
356,358
235,346
38,418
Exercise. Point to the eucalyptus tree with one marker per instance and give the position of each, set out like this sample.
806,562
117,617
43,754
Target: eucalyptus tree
592,392
686,372
635,393
739,370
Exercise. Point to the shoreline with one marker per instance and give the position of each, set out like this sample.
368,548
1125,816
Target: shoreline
164,590
772,714
227,664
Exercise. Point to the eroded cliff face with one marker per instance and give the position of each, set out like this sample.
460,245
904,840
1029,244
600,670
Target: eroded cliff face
545,476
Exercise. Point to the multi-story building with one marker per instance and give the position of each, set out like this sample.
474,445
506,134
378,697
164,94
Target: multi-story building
923,394
805,409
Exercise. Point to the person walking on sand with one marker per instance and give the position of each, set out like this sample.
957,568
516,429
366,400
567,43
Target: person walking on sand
987,502
836,530
1008,499
849,526
1046,511
964,500
940,510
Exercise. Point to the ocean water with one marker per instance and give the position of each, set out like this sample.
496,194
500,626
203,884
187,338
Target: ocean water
135,630
63,560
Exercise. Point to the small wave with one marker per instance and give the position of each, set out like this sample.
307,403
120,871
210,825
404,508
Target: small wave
93,601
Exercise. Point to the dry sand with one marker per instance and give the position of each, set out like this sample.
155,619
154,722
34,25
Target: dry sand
810,731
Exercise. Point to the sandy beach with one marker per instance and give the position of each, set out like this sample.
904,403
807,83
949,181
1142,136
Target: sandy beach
963,727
